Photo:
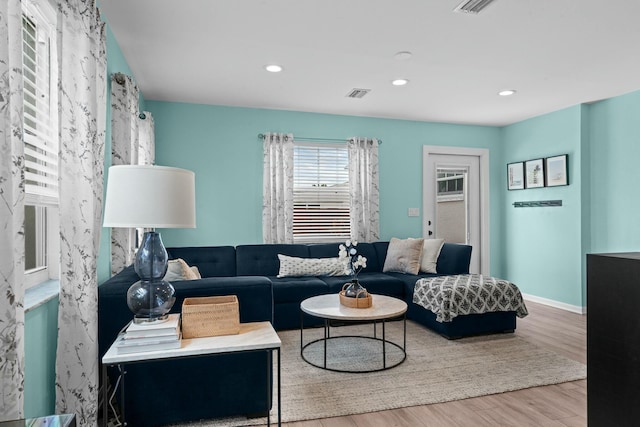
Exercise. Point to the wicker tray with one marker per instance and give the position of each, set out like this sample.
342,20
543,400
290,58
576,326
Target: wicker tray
210,316
351,302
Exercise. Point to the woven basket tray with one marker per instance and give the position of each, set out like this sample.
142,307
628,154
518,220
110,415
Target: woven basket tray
351,302
210,316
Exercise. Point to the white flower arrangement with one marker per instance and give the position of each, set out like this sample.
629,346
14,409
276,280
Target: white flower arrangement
353,262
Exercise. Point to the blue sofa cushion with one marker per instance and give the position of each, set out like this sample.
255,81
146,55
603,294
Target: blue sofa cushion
262,260
196,388
296,289
212,261
454,259
409,282
323,250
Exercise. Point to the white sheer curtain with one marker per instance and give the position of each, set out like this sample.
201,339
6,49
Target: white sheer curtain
124,151
132,142
277,208
11,214
82,63
363,189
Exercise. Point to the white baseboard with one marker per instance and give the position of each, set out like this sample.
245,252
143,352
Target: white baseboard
556,304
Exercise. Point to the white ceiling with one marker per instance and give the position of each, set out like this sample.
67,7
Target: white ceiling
555,53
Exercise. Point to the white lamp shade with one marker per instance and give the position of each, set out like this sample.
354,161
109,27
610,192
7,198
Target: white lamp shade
150,197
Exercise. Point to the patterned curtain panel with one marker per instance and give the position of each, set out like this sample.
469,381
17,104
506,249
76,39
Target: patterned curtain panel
82,62
124,151
147,139
277,190
11,214
363,189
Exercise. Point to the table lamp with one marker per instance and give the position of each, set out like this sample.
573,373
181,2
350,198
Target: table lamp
146,196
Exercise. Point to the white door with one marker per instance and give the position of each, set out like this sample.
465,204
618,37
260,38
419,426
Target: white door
454,200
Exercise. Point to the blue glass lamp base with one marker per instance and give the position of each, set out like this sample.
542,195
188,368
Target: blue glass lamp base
150,301
151,298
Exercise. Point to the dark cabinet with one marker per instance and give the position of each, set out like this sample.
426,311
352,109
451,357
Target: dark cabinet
613,339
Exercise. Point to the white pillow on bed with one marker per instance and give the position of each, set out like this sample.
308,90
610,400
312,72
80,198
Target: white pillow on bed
430,253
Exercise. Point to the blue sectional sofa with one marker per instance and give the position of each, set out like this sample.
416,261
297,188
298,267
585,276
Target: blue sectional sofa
178,391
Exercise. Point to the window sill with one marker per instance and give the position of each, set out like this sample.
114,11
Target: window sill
40,294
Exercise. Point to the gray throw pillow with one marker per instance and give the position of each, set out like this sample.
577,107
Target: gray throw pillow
404,255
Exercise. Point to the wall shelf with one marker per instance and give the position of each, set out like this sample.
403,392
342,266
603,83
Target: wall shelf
538,204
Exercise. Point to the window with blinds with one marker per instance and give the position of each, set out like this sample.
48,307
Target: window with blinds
40,136
40,109
320,193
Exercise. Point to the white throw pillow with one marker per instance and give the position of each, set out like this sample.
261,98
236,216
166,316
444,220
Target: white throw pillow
430,253
196,272
404,255
178,269
293,266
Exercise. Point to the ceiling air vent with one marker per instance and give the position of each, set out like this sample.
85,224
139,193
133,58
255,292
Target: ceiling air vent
472,6
358,93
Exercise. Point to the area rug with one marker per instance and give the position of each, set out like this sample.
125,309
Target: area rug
435,370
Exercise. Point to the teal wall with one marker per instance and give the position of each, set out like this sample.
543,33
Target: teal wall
585,190
543,246
615,174
221,145
40,343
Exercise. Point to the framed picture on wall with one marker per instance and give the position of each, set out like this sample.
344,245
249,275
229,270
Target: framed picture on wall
556,171
534,173
515,176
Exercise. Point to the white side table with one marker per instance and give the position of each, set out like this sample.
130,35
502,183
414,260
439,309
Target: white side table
256,336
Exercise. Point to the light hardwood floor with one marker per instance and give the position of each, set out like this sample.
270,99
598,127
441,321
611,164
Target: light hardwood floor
549,406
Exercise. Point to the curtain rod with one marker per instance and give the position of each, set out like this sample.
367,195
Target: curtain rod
302,138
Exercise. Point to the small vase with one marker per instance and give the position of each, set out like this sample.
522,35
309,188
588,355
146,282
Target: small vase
355,290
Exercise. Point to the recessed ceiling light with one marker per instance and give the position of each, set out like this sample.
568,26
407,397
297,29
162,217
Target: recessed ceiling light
507,92
403,56
400,82
273,68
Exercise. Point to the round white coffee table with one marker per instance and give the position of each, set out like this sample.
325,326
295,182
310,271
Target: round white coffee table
328,307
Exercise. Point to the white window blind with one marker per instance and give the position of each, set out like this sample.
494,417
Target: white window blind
40,108
450,183
40,137
320,192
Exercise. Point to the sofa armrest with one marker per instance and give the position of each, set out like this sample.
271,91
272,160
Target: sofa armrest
255,299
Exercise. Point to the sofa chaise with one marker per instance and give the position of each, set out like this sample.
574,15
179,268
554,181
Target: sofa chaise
179,390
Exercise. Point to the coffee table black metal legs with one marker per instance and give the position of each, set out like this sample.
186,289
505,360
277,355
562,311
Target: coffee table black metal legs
327,338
